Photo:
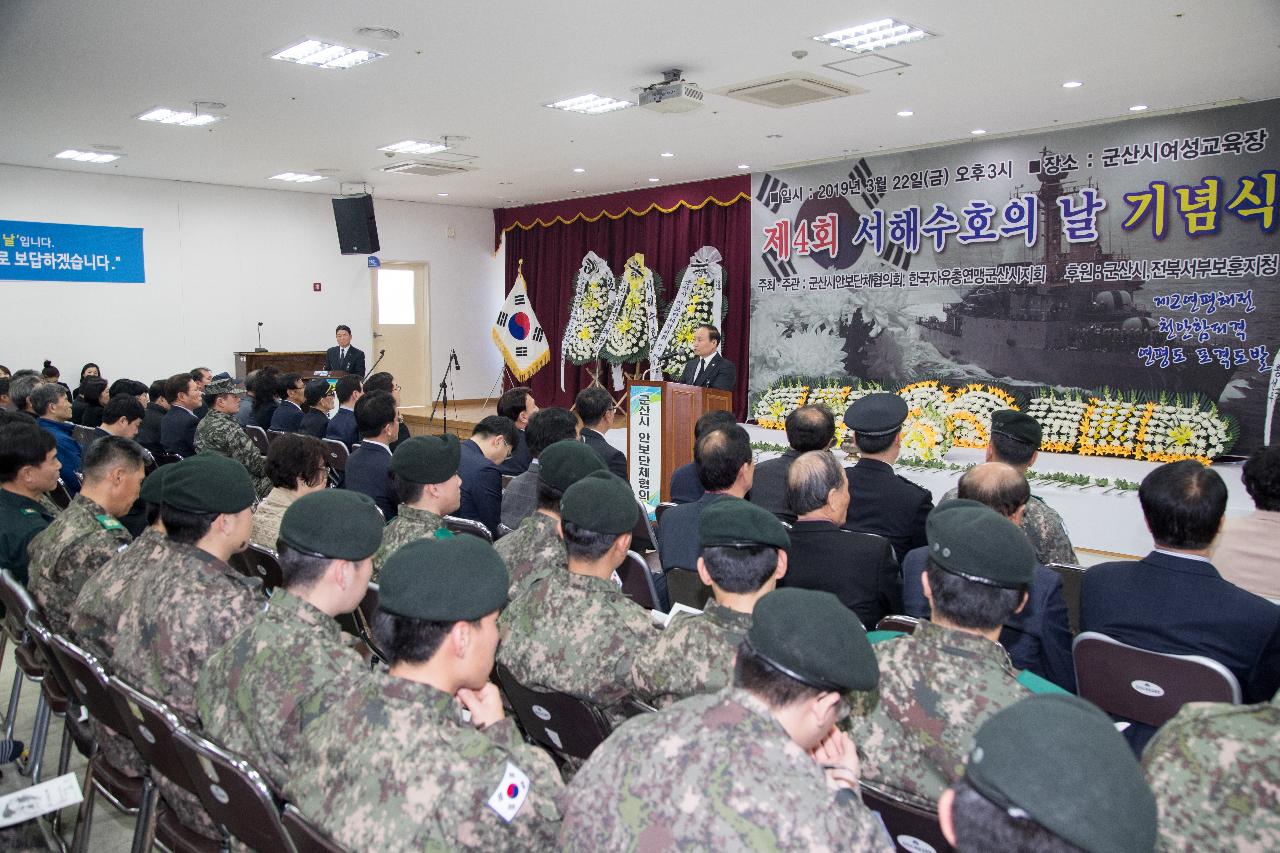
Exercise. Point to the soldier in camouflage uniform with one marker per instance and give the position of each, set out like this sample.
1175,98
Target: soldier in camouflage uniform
743,555
535,549
183,609
291,662
1215,771
393,766
425,470
940,683
576,632
28,470
218,432
757,766
87,534
1015,440
1051,773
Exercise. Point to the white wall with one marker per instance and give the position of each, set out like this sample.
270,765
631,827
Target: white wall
219,259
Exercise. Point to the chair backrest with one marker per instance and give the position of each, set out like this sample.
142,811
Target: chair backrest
273,435
913,829
263,563
503,530
17,604
42,640
506,480
307,837
1072,583
1148,687
662,507
60,496
259,436
559,722
685,587
644,536
468,526
88,680
167,457
359,622
83,435
233,793
336,454
905,624
637,583
151,725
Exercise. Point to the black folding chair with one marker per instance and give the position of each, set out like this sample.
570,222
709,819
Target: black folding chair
503,530
637,583
905,624
1144,686
259,436
467,526
336,455
685,587
29,665
358,622
59,701
661,508
83,435
644,536
60,496
912,829
1072,583
262,563
568,727
233,793
307,837
167,457
506,480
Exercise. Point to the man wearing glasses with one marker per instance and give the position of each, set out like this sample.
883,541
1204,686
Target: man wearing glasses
288,415
488,447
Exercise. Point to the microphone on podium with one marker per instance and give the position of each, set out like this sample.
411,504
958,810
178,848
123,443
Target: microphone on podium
260,348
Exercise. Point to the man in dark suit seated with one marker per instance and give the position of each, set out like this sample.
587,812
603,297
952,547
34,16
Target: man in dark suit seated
344,356
685,486
518,405
707,368
288,415
178,426
342,426
880,501
595,407
489,445
318,398
149,432
857,568
384,381
1173,600
369,468
725,467
1037,637
546,427
808,428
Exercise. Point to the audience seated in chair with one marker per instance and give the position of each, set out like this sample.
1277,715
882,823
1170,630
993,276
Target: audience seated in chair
178,426
1245,553
292,389
296,466
490,443
519,406
52,407
725,468
425,471
595,407
219,433
369,468
808,428
686,488
546,427
319,400
383,381
157,406
342,426
28,472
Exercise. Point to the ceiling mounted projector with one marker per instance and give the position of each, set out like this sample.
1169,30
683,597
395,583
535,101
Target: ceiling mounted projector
672,95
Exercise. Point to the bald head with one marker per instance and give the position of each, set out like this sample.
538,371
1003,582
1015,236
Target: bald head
1001,487
816,482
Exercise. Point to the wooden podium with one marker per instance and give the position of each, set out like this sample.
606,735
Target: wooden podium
660,419
305,363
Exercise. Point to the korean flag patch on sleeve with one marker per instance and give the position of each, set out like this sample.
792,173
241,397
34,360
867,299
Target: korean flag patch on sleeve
510,794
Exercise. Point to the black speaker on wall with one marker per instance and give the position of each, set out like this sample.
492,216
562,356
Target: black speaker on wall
357,229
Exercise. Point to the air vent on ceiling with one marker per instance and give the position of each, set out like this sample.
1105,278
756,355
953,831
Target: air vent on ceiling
426,168
789,91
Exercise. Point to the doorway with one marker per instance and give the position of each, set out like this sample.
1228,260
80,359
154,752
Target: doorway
400,327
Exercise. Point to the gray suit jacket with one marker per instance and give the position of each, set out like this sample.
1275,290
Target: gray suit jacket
520,499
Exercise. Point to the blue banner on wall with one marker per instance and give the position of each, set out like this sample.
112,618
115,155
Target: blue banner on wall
51,251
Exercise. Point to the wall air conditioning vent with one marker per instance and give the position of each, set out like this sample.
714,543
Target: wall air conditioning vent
789,91
427,168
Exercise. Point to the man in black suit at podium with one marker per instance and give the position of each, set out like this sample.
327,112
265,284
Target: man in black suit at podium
344,356
708,368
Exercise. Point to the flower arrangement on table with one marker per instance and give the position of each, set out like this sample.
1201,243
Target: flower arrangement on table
782,399
969,409
925,436
1111,427
927,394
1060,418
1186,429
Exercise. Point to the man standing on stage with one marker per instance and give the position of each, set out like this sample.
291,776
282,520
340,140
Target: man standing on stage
344,356
708,368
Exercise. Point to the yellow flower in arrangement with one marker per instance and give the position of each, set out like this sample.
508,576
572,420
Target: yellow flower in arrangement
624,325
1181,435
685,336
585,334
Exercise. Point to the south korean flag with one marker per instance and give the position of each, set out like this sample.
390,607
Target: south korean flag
518,333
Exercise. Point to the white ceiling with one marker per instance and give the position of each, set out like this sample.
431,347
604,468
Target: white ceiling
74,73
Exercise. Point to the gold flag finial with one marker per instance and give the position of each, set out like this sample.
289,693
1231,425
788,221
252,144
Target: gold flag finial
519,266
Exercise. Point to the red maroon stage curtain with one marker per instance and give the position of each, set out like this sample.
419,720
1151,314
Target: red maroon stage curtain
667,225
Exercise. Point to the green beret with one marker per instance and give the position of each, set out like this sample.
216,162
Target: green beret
735,522
218,387
153,486
600,502
453,579
1060,760
876,414
1017,426
209,482
813,638
972,540
335,523
566,462
427,459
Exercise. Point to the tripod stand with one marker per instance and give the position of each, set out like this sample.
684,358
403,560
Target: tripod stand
443,395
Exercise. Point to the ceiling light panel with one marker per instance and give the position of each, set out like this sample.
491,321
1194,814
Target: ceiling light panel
413,146
297,177
184,118
326,54
590,105
75,154
876,35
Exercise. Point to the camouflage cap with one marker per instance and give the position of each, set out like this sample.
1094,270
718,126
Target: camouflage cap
566,462
1061,761
209,482
453,579
977,543
813,638
738,523
334,523
427,459
876,414
153,486
1017,426
218,387
602,503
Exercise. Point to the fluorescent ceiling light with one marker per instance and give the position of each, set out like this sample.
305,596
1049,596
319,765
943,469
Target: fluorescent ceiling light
905,113
443,195
590,105
579,169
744,166
185,118
297,177
1072,84
977,131
413,146
874,36
323,54
1137,108
667,154
86,156
653,180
